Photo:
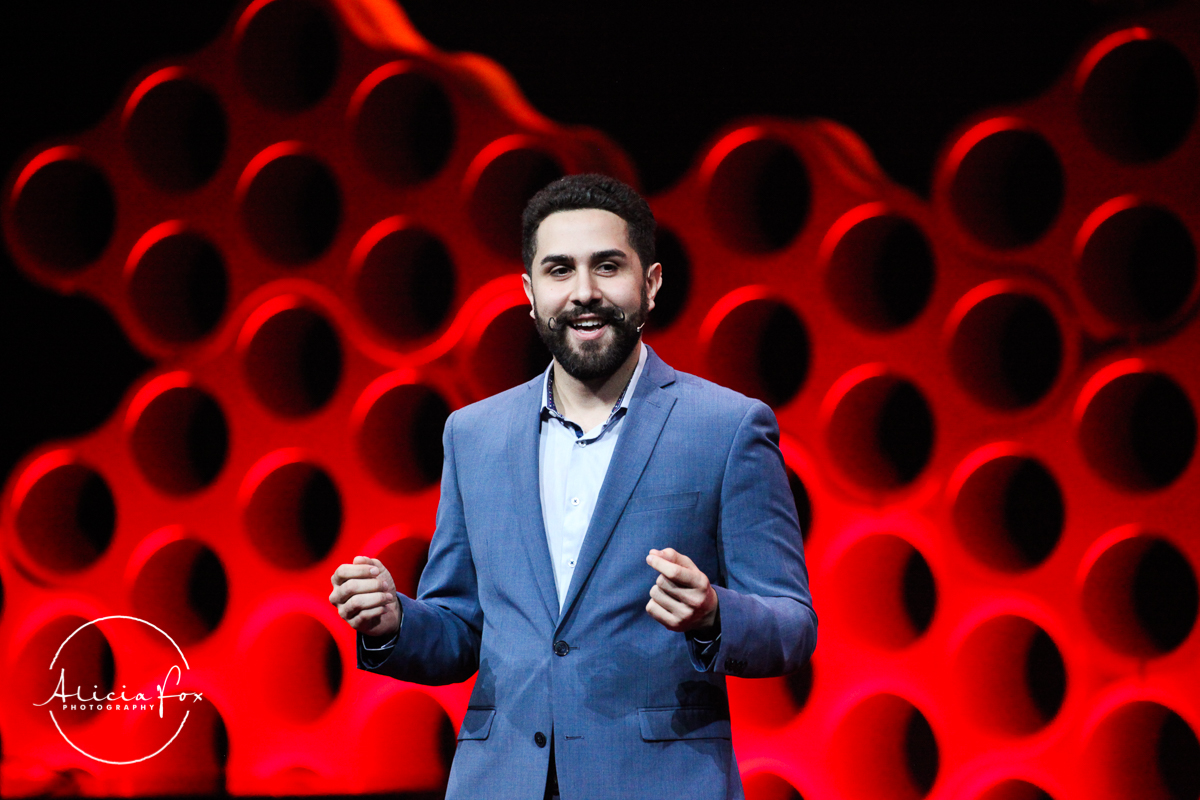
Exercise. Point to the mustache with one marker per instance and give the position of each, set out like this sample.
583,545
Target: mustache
605,314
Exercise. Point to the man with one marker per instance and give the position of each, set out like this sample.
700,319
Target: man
613,538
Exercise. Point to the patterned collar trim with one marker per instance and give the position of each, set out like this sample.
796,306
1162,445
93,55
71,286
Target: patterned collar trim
550,410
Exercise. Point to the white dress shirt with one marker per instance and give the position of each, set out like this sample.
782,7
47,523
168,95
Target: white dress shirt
571,469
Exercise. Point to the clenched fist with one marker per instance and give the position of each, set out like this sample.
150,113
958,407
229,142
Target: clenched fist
365,596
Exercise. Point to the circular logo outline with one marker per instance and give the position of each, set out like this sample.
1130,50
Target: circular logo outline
181,722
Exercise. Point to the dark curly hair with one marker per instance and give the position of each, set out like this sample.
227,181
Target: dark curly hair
575,192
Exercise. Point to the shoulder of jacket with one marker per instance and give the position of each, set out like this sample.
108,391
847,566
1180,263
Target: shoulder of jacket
719,399
488,410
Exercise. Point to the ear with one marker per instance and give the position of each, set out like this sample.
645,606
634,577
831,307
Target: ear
653,281
527,285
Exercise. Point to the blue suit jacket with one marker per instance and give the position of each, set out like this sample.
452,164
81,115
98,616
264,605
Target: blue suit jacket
631,710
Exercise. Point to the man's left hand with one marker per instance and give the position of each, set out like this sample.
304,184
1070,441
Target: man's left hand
681,599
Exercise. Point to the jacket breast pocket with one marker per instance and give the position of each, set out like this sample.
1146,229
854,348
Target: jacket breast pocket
684,722
476,724
662,502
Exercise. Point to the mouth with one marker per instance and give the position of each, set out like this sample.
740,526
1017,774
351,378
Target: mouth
588,328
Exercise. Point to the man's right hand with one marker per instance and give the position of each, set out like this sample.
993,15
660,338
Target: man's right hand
365,596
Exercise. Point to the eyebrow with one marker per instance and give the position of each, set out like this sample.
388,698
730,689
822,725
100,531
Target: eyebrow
604,254
600,255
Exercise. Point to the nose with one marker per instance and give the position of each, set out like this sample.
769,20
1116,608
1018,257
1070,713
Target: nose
586,290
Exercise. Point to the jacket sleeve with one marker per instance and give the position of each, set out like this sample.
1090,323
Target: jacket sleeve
768,626
440,629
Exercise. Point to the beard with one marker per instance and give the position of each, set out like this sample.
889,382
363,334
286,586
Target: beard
593,359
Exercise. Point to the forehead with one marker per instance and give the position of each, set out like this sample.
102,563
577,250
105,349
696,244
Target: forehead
581,231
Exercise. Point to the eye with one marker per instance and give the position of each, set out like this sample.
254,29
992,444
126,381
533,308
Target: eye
559,270
607,267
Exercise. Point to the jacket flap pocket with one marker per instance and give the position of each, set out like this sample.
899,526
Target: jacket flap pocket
477,723
658,502
686,722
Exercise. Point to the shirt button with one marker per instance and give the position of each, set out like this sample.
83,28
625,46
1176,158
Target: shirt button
539,739
561,648
574,501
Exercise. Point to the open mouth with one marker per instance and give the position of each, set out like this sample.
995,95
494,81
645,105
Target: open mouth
588,328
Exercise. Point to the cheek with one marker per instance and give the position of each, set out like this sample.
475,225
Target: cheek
628,297
557,305
548,300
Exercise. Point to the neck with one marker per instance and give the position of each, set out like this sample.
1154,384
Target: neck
576,398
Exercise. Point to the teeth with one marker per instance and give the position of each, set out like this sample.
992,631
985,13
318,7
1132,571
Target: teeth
587,326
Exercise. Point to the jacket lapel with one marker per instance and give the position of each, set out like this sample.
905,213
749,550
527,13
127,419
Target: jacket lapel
648,411
524,431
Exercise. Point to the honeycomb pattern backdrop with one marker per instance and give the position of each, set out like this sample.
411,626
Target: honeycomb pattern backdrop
987,402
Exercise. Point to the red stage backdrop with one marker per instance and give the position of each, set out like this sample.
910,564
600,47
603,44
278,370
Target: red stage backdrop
987,401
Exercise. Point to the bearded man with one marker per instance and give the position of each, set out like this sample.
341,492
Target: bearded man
613,538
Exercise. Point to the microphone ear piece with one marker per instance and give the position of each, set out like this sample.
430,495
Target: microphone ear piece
639,327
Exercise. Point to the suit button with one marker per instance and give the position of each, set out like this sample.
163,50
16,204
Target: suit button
561,648
539,739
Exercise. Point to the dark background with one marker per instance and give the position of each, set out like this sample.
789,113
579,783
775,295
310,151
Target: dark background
659,78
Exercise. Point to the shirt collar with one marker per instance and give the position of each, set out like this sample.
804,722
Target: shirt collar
618,410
